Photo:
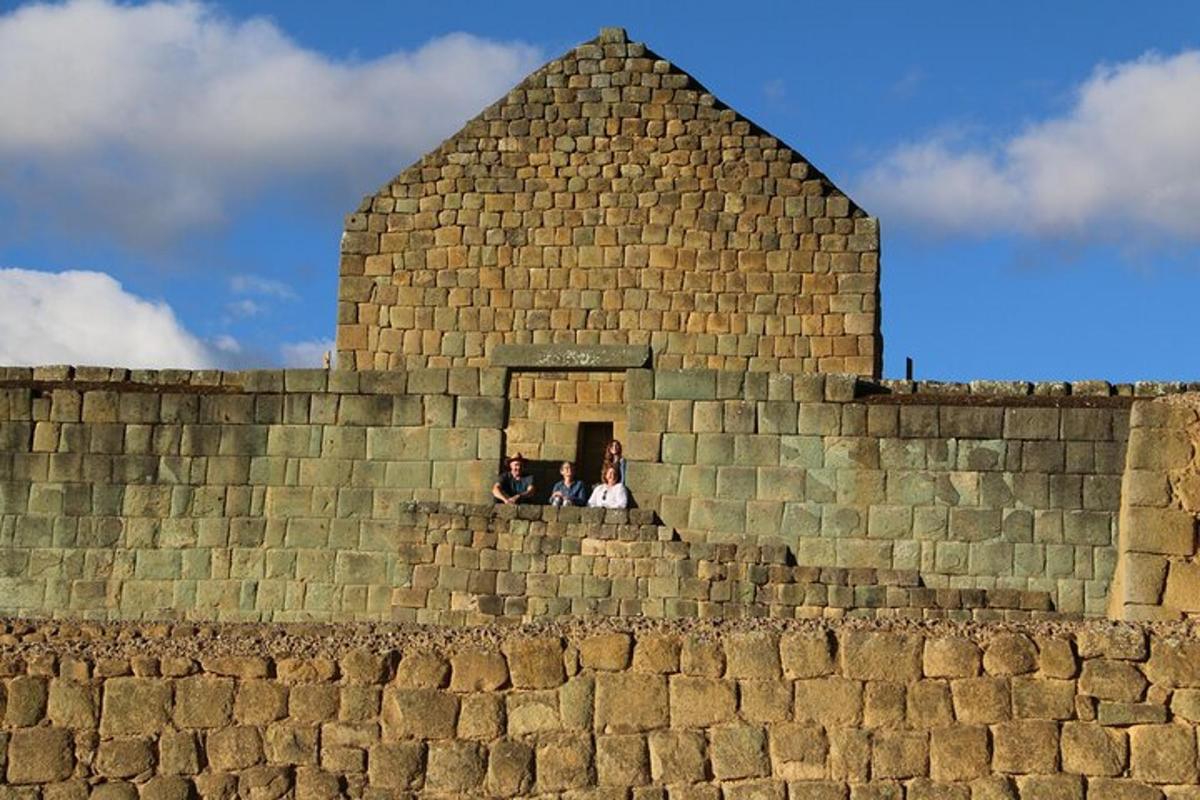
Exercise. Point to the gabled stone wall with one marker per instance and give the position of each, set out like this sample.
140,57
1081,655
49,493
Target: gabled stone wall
610,199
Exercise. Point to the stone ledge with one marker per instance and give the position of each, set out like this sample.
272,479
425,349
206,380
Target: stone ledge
570,356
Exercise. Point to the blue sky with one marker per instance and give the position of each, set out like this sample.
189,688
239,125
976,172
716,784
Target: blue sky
173,176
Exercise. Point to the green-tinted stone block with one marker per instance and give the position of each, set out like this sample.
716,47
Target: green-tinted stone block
408,410
777,417
756,450
158,564
737,483
685,384
697,481
365,409
781,483
648,416
841,521
889,522
431,380
398,444
714,448
480,412
453,444
740,416
807,452
718,515
653,479
639,384
361,568
990,558
679,448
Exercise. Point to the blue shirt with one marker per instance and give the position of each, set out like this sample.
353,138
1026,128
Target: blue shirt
576,493
511,486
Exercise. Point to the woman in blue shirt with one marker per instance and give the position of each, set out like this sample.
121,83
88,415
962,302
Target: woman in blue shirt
568,491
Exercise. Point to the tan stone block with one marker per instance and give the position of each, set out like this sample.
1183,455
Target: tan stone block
881,655
236,666
532,712
26,701
765,701
623,761
628,702
454,767
738,751
1183,586
72,705
1059,787
169,787
1174,662
980,700
753,655
701,702
959,753
564,762
702,657
510,768
605,651
535,663
830,701
422,671
1159,530
1112,680
1043,698
1056,658
899,754
419,713
313,702
849,754
203,702
656,653
1121,789
929,704
951,657
1025,746
396,765
481,716
477,670
291,743
259,702
1091,749
1010,654
178,753
798,750
363,666
40,755
1163,753
135,706
233,748
806,654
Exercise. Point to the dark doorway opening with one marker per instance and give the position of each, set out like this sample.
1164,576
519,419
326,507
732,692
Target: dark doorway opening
593,436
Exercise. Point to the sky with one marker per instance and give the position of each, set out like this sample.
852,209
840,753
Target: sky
173,175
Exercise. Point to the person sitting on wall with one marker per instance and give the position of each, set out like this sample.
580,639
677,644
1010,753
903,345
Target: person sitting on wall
513,486
614,456
568,491
611,493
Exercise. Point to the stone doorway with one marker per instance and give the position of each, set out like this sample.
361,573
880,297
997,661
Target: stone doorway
593,436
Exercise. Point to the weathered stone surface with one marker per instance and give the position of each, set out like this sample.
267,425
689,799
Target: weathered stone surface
564,762
535,663
1091,749
454,766
510,768
959,753
628,702
124,757
203,702
738,751
135,706
606,651
1112,680
798,750
1026,746
1163,753
40,755
872,655
575,356
951,657
396,765
419,713
234,748
701,702
806,655
622,761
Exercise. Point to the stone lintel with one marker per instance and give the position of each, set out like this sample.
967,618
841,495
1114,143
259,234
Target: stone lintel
570,356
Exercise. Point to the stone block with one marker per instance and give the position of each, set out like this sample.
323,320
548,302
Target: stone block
419,713
1121,789
697,702
959,753
1010,654
124,757
510,768
1163,753
396,765
40,755
832,701
981,700
1031,423
677,757
1025,746
687,384
454,767
564,762
135,706
970,422
738,751
950,657
876,655
754,656
806,654
535,663
630,702
898,754
1091,749
203,702
477,670
1182,586
622,761
234,748
605,651
1112,680
481,412
798,751
1159,530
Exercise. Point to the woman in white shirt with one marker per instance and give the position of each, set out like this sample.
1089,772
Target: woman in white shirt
611,493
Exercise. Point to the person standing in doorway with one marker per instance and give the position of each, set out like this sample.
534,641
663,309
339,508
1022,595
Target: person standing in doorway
614,456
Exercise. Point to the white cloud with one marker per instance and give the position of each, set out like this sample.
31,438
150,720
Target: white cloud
306,354
243,308
89,318
1121,163
154,120
255,284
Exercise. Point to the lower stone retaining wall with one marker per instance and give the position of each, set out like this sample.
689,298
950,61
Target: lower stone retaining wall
601,710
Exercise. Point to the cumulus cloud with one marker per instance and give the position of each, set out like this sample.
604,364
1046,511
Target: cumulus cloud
306,354
89,318
155,120
256,284
1122,162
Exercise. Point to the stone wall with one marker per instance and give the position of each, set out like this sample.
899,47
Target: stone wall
982,490
1158,571
610,199
602,712
281,495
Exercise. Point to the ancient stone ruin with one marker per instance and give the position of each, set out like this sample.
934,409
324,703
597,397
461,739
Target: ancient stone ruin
293,583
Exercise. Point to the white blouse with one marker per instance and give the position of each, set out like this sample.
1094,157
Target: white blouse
605,496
